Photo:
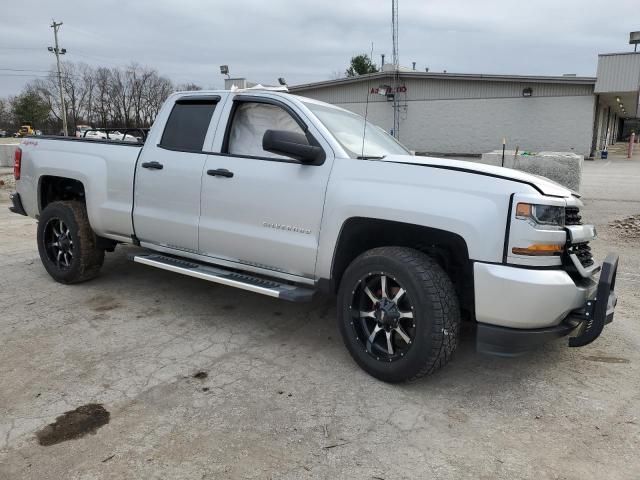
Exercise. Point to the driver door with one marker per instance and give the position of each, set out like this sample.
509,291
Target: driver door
264,210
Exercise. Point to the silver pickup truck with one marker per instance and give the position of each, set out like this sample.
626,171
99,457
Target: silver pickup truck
287,196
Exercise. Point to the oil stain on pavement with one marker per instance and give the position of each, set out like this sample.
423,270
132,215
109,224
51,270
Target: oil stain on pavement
74,424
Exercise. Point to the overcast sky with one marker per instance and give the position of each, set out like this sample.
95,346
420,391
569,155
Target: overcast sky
307,41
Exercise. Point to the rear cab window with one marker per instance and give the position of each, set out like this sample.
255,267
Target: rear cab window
187,124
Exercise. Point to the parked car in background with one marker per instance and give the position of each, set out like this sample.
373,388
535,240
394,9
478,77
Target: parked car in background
25,130
132,135
3,133
285,196
94,135
81,129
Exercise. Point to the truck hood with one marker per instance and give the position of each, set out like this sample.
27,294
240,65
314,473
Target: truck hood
542,184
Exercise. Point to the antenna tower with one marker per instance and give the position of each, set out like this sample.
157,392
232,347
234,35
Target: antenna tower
396,67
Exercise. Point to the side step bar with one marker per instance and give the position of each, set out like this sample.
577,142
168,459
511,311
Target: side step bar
272,288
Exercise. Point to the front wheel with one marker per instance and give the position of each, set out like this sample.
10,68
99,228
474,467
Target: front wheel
398,313
67,245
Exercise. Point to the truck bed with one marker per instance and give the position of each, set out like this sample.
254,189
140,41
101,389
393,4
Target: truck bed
105,168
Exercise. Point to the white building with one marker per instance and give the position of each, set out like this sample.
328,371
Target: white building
452,113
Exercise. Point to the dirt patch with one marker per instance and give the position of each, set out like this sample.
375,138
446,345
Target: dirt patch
106,308
103,303
627,227
457,415
74,424
607,359
7,182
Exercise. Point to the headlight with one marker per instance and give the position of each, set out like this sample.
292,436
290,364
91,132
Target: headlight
541,214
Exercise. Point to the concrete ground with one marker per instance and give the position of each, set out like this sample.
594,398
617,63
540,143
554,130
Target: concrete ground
277,395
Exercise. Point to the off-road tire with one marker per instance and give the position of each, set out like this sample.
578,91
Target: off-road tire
435,306
87,257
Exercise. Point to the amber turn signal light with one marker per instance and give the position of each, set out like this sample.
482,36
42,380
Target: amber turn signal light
538,249
523,210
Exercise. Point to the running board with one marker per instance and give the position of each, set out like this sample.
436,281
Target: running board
271,288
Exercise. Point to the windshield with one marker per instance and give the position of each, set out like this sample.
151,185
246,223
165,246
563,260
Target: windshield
348,129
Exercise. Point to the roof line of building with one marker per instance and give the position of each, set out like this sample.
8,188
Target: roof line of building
450,76
617,53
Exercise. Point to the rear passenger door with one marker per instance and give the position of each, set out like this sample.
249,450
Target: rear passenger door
169,174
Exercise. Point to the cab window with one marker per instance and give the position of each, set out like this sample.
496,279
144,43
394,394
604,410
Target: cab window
250,121
187,125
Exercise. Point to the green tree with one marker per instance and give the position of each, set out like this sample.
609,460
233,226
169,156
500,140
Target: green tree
361,65
29,107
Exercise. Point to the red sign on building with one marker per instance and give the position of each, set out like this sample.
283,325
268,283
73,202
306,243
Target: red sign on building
389,90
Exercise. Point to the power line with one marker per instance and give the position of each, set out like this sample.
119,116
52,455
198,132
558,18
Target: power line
23,70
21,48
99,58
37,75
23,75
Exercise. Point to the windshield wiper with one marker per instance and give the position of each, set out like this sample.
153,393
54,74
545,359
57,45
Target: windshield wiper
365,157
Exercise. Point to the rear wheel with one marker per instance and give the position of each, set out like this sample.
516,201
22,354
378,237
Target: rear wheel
398,313
67,245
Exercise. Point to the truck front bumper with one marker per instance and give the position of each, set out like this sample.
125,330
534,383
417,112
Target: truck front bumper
518,309
16,204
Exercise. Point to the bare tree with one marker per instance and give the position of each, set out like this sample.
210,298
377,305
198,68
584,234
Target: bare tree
87,80
103,103
158,89
7,119
188,87
103,97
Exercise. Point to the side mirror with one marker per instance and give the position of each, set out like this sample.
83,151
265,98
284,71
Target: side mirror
291,144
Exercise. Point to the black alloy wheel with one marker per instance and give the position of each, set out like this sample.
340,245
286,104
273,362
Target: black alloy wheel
398,313
58,243
67,245
382,316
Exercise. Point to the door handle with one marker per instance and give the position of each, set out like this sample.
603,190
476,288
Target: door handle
220,172
153,165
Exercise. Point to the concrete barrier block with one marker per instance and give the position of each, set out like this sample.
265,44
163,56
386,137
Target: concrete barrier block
6,154
564,168
495,157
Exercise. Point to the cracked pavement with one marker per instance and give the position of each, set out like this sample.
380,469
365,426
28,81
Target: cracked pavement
282,398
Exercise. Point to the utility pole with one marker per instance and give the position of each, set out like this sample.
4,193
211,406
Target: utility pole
59,51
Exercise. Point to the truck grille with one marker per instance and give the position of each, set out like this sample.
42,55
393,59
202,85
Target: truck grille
583,252
572,216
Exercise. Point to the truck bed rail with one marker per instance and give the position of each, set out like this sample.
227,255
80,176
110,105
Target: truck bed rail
88,140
